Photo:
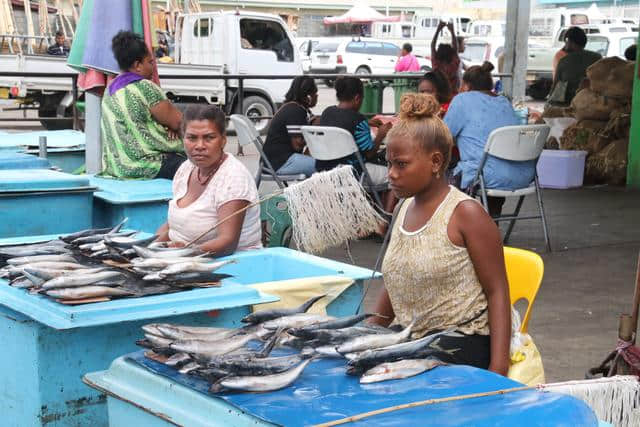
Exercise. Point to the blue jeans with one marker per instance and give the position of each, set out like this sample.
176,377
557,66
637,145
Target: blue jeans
297,164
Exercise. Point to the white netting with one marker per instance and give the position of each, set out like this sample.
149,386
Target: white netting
615,400
328,209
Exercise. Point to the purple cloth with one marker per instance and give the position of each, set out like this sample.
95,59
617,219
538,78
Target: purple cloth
122,80
107,19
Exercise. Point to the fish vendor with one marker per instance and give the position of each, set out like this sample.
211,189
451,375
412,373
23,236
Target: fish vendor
209,187
444,267
139,124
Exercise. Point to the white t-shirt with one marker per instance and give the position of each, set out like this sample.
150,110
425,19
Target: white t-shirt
231,182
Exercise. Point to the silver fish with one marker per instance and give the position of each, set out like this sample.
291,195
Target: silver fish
209,349
94,248
22,283
37,281
400,369
160,263
366,342
189,367
193,266
178,334
157,341
84,233
178,252
296,321
48,274
74,280
40,258
83,292
191,329
266,315
265,382
128,242
99,237
178,360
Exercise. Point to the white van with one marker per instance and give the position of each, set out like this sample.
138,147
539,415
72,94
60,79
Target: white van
357,56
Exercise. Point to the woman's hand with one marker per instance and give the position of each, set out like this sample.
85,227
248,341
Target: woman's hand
176,244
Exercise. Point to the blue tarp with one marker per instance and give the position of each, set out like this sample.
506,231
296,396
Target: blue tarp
324,393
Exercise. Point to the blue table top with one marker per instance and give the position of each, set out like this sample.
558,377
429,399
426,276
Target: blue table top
15,160
117,191
325,393
55,139
31,180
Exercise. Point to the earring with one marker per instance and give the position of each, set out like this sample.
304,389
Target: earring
438,175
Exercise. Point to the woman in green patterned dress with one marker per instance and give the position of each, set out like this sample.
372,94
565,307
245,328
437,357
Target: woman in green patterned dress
140,125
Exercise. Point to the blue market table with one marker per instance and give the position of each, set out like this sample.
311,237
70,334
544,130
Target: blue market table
142,392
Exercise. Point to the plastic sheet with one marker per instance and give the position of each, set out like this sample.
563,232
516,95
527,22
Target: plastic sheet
324,393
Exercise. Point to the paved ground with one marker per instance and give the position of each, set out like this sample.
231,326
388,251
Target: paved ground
589,276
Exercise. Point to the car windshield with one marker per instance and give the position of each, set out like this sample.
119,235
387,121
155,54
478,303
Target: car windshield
326,47
474,52
625,43
598,44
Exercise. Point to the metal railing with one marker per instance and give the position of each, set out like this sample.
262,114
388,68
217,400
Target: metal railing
239,95
25,43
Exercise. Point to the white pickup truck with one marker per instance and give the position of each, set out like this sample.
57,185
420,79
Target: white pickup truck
212,43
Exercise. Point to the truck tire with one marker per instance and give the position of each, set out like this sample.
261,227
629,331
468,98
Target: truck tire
48,109
540,89
256,106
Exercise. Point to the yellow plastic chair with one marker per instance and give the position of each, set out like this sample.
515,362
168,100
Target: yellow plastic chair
524,272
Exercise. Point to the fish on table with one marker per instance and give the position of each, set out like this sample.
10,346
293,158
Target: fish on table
261,383
398,370
266,315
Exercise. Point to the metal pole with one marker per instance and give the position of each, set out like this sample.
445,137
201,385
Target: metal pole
42,147
239,109
516,52
93,136
185,6
74,90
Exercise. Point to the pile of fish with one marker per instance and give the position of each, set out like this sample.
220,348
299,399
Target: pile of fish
229,359
97,265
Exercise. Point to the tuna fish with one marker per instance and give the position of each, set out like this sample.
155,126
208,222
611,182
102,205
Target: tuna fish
266,315
400,369
262,383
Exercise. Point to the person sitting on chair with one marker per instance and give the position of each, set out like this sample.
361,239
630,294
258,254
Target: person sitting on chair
473,114
284,144
139,124
436,84
209,187
346,115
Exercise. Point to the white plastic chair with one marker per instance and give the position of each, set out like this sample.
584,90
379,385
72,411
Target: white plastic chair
328,143
247,135
519,144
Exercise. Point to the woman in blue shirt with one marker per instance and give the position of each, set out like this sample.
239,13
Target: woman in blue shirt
472,116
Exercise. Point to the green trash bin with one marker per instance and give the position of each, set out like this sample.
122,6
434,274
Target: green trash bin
402,86
373,91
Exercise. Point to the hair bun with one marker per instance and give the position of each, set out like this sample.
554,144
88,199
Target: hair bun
487,67
418,106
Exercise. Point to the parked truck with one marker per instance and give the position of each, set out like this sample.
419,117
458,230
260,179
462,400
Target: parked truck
211,43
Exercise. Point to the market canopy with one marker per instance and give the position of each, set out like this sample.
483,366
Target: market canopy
361,13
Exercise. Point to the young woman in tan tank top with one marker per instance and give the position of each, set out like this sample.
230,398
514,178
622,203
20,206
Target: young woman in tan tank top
444,265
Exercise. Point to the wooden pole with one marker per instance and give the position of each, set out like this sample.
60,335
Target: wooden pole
636,302
422,403
30,29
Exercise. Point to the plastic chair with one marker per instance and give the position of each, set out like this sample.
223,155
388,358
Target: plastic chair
247,135
277,224
520,144
525,270
332,143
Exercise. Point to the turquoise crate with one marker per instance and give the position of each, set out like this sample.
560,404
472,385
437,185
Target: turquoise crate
15,160
41,201
144,202
66,159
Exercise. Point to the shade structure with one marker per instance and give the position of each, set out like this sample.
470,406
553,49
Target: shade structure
99,22
361,13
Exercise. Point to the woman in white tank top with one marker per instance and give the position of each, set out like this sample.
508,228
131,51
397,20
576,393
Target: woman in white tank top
444,267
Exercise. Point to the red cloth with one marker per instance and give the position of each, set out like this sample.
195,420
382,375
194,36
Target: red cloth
631,354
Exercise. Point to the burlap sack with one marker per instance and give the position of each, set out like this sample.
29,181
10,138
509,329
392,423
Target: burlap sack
576,136
552,111
609,166
612,77
619,126
588,105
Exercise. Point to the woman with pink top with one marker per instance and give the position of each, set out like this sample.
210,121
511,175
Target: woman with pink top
407,61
